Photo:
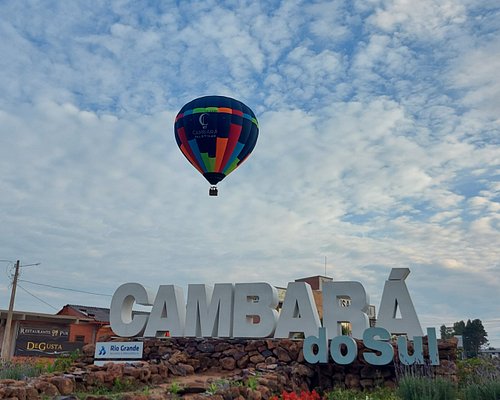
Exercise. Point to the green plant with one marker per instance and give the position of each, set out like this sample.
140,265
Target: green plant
221,384
175,388
123,385
350,394
421,388
252,382
478,370
62,363
20,370
485,391
212,388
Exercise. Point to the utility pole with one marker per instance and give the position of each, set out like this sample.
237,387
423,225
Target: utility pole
8,324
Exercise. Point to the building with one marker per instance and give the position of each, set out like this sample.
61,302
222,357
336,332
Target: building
97,329
316,282
39,335
490,353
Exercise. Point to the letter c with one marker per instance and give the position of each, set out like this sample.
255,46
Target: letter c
120,315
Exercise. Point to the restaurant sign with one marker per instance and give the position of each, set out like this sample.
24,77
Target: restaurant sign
44,341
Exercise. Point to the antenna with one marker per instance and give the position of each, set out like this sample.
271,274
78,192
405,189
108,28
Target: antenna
325,265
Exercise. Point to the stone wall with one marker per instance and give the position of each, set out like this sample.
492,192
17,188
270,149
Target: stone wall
196,356
275,365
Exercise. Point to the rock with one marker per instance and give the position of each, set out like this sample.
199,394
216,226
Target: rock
6,382
47,389
228,363
145,374
31,393
368,372
178,357
181,369
114,370
221,346
206,347
302,370
243,361
88,350
65,385
17,392
366,383
282,354
131,371
156,379
352,381
135,397
257,358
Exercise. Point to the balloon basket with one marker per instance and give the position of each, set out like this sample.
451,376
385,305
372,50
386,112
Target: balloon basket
213,191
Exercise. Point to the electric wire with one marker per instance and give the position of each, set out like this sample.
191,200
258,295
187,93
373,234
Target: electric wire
63,288
36,297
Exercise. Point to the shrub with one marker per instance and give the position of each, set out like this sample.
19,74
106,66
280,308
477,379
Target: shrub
421,388
486,391
478,371
20,370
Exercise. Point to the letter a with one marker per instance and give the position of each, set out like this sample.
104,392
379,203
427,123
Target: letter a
396,295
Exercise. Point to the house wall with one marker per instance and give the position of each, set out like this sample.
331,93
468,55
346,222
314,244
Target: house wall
85,330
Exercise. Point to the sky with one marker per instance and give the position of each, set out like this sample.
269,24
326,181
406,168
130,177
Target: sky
378,148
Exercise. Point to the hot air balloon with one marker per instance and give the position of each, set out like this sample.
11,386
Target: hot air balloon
216,134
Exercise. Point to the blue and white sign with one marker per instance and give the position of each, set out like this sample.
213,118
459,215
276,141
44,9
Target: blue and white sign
118,350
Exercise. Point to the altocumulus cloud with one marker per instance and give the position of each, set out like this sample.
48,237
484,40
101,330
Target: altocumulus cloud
378,147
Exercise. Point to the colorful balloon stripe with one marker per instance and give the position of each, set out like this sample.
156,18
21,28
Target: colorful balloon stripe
216,134
223,110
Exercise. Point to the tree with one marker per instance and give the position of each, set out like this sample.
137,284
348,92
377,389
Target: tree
459,328
475,336
446,332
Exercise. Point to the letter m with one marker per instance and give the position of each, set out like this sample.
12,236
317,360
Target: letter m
209,310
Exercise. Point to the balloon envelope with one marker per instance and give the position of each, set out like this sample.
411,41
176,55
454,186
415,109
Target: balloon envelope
216,134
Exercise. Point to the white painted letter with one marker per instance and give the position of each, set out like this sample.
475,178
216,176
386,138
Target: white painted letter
299,312
168,313
120,314
254,310
353,310
396,295
209,321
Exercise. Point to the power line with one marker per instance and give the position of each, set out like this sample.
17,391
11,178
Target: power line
63,288
36,297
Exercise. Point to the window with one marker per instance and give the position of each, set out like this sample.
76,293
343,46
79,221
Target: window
79,338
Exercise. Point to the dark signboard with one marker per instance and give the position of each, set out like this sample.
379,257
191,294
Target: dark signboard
44,341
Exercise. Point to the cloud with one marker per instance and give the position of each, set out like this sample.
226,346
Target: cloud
428,20
378,147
